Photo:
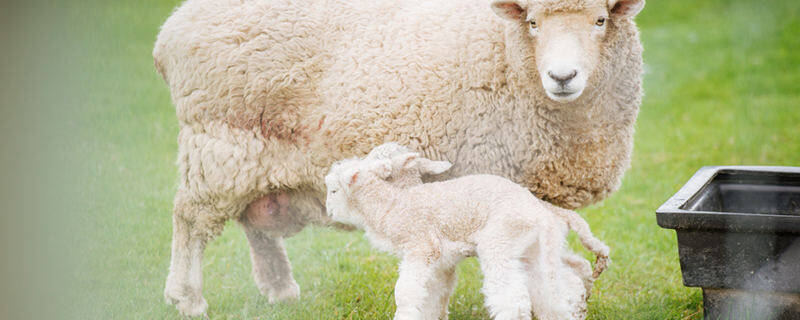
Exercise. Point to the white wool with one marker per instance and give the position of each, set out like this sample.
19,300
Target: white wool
270,93
433,226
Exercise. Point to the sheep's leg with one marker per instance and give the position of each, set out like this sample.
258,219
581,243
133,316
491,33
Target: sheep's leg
185,279
179,262
581,268
550,296
272,270
411,292
504,284
266,221
443,285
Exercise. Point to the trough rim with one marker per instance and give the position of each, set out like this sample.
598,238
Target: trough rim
670,215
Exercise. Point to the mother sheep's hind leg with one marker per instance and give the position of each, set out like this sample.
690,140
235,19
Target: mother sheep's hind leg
193,226
266,221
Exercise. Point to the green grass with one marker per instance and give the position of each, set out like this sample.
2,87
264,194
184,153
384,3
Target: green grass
722,87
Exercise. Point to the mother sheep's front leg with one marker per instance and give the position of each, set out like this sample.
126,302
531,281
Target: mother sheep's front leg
193,226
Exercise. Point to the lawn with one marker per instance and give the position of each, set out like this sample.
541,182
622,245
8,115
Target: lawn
722,87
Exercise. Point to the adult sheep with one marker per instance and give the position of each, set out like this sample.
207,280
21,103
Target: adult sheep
269,93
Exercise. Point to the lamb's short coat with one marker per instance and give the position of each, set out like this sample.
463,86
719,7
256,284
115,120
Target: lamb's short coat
518,239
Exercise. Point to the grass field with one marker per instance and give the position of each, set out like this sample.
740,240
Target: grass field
722,86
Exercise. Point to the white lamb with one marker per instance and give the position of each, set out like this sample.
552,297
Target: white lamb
518,239
409,176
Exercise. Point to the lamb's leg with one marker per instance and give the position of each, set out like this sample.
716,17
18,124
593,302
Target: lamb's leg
410,292
551,296
445,286
440,287
272,270
504,285
185,279
581,268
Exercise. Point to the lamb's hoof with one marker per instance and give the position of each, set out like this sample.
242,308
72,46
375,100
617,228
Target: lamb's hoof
187,307
513,315
407,314
290,292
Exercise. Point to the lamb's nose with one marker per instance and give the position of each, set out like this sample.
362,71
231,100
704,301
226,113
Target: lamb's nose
562,77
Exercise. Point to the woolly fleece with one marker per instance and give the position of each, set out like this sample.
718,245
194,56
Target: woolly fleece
269,93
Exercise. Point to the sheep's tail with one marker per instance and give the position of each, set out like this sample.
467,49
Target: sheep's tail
576,223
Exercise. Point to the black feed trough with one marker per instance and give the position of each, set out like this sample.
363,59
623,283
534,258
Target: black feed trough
738,234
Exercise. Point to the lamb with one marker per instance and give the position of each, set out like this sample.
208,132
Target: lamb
269,93
403,177
433,226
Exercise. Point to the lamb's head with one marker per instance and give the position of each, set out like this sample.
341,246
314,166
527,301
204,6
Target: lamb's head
567,38
344,182
346,177
340,182
406,171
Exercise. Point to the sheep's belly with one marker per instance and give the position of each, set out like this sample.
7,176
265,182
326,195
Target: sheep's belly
269,212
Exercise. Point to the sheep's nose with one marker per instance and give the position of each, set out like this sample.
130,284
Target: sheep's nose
562,77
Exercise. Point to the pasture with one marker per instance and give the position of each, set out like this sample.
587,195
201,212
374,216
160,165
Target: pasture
722,87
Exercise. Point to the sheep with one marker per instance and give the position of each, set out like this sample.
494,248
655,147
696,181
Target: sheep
269,93
433,226
405,177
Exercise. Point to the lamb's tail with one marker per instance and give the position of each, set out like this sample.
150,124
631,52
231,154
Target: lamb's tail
576,223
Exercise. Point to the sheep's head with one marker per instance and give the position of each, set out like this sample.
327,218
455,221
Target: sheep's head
568,37
344,180
391,162
339,182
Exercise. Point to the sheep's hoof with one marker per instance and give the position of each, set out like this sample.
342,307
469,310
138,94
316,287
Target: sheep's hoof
193,308
170,300
288,293
407,314
186,306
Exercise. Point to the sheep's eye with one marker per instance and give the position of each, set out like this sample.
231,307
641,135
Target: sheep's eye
333,191
533,24
600,22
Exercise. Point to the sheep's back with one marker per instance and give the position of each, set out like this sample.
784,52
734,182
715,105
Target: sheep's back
239,62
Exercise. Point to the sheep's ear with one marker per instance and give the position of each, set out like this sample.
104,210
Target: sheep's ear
427,166
350,176
382,168
509,9
406,160
621,9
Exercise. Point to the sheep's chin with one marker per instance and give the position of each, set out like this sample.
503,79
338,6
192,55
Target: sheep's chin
563,97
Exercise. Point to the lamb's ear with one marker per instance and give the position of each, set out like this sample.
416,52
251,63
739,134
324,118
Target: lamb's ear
350,176
427,166
381,168
621,9
509,9
406,160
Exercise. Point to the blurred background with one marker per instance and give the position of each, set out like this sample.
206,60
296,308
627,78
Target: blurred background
88,167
